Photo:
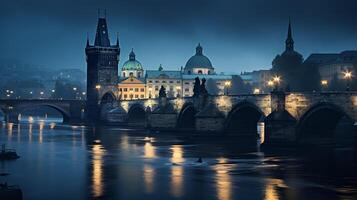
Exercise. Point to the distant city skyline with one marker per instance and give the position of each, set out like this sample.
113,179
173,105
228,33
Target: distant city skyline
53,34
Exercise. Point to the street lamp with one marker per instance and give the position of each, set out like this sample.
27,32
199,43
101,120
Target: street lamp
98,87
324,83
178,89
276,81
227,85
256,91
347,75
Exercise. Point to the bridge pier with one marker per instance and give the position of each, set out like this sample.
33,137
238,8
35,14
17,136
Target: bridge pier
11,117
164,117
280,126
210,119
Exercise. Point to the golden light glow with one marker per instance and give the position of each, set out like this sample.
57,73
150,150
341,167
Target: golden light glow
177,154
256,91
149,174
177,171
227,83
270,83
271,192
97,171
224,103
30,119
149,103
347,74
223,180
98,87
125,105
149,150
276,79
177,181
324,82
178,103
40,134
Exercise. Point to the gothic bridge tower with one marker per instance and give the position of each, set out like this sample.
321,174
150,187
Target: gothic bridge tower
102,67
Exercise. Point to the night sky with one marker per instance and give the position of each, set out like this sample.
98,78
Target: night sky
237,35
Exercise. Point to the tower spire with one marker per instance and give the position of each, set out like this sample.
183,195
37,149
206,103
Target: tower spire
101,36
132,54
87,40
117,40
289,43
199,49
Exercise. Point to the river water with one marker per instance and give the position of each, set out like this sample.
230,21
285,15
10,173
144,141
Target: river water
76,162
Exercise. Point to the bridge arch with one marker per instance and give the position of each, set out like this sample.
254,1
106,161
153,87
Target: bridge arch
243,119
108,97
21,108
136,113
186,118
318,124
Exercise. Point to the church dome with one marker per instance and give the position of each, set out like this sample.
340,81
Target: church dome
132,63
198,60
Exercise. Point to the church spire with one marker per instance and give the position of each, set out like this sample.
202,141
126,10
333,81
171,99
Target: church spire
199,49
101,36
289,42
88,40
132,55
117,44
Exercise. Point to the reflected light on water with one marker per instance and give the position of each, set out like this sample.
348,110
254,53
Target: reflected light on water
261,131
271,192
149,174
30,132
177,171
97,173
149,150
223,180
40,136
9,129
52,125
177,154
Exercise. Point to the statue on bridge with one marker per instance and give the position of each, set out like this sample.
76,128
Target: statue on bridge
196,87
203,90
162,92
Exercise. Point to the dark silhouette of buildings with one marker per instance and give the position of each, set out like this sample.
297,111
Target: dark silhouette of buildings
102,67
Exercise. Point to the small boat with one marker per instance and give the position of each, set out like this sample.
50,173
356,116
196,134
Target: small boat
10,192
8,154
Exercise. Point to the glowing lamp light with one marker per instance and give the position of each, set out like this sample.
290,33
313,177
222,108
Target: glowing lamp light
276,79
324,82
347,74
83,93
227,83
256,91
98,87
41,93
74,89
52,90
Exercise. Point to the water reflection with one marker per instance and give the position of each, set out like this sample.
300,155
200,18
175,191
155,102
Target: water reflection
97,170
223,180
271,186
40,135
149,150
149,174
177,171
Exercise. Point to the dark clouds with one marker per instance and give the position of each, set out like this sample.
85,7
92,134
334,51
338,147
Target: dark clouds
236,34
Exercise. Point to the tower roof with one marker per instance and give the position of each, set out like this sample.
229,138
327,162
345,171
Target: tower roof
101,36
289,42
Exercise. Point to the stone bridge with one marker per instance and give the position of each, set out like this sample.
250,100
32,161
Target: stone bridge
72,110
288,118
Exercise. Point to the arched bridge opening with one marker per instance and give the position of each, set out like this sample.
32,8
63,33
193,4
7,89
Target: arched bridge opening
46,112
136,114
325,124
243,120
186,119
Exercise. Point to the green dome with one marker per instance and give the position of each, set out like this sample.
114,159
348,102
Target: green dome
132,63
198,60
